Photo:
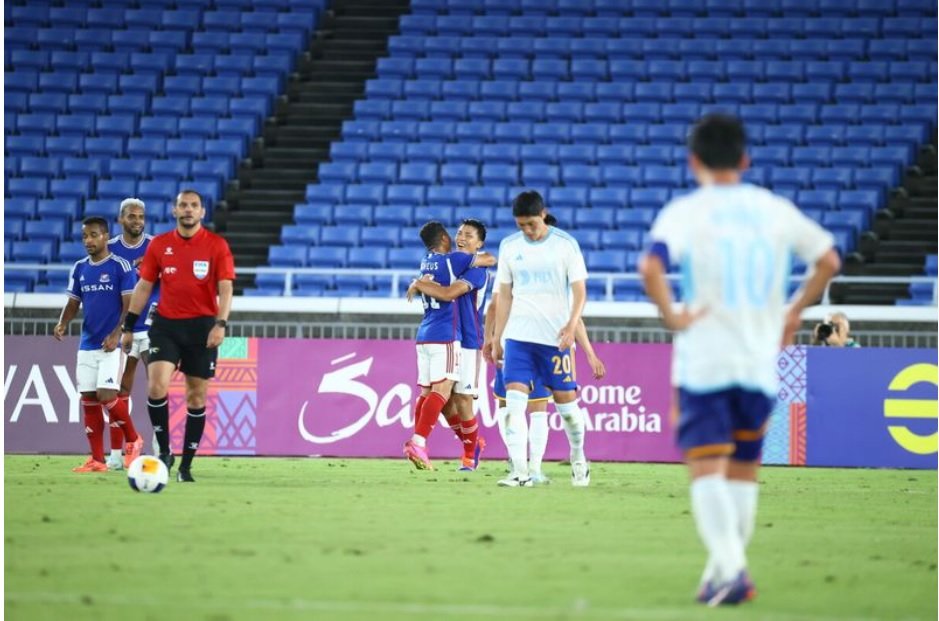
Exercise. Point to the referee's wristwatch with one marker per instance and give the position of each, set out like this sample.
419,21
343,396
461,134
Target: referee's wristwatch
221,323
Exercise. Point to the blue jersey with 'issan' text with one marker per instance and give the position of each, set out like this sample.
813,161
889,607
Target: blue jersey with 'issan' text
441,322
132,254
99,287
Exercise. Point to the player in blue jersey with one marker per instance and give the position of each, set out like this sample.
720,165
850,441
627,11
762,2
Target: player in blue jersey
438,337
470,292
734,242
542,293
131,245
102,283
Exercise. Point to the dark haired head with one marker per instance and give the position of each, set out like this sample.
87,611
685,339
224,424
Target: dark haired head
432,234
97,221
719,141
189,191
528,204
478,225
550,220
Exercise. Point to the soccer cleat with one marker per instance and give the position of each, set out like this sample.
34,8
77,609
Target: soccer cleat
114,462
168,460
739,590
184,476
91,466
580,474
132,451
480,447
539,478
515,481
418,456
705,593
468,465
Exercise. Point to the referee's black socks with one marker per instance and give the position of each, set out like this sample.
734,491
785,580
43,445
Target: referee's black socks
159,411
195,425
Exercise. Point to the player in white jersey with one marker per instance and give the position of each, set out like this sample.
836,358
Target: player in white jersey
542,293
733,242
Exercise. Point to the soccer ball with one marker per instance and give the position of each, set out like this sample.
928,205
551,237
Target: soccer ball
147,474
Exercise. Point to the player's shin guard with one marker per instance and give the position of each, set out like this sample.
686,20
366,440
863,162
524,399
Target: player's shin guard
469,433
501,414
195,425
537,439
716,519
94,427
159,411
516,432
572,418
117,411
744,495
453,420
430,412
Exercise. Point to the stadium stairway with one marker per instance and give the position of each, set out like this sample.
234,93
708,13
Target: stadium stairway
319,97
903,235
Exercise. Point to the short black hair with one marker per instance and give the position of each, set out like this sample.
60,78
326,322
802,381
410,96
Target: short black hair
719,141
189,191
550,220
478,225
432,234
101,222
528,203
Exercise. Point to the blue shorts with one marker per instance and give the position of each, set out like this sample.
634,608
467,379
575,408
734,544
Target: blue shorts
533,364
728,422
538,391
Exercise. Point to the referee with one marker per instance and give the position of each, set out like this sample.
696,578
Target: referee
195,269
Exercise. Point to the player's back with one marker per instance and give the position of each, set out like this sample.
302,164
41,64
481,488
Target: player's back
441,319
734,245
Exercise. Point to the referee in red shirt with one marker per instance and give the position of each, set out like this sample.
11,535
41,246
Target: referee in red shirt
196,269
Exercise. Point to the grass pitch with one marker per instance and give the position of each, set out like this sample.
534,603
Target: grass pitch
373,539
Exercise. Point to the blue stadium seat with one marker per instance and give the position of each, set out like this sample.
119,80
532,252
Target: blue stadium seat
817,199
343,236
379,237
32,252
324,256
365,194
347,216
310,215
606,261
287,256
394,215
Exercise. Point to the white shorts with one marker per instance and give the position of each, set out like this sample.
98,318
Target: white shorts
98,369
141,343
437,362
471,362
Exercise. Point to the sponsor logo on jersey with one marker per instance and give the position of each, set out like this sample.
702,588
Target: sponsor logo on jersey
169,250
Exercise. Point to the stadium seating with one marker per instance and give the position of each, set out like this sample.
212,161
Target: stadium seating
118,101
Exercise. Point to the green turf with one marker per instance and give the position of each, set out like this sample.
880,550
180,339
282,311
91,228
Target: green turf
373,539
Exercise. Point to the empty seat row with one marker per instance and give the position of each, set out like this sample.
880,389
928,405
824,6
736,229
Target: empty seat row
126,125
519,46
108,168
749,27
634,70
157,63
76,146
690,8
118,189
579,112
256,106
475,153
627,133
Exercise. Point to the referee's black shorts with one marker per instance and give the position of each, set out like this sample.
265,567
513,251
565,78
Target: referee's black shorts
183,342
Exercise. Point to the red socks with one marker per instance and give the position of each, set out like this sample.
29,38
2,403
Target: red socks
469,432
454,421
94,428
117,410
430,412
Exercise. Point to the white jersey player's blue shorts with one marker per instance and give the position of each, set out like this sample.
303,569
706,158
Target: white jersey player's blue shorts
533,363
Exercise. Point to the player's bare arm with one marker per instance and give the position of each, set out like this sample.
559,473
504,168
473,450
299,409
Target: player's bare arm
65,318
825,268
113,339
566,335
660,292
138,300
596,365
502,318
217,334
438,292
490,331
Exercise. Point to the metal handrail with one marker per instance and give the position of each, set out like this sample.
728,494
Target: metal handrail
398,274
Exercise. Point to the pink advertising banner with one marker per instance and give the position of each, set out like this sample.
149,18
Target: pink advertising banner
347,398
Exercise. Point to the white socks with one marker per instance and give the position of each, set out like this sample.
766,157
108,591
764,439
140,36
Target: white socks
744,495
573,419
715,515
116,453
516,431
537,439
